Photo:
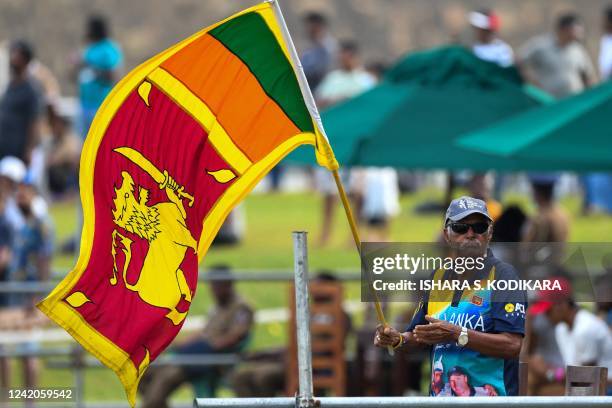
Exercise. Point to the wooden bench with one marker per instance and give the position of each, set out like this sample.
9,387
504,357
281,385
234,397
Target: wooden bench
328,332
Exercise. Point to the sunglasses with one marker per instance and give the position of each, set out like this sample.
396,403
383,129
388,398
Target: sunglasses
462,227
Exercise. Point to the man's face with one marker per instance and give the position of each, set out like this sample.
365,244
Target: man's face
557,312
479,187
17,62
58,125
222,291
571,33
315,30
24,197
437,376
347,60
482,35
577,32
469,243
458,383
7,186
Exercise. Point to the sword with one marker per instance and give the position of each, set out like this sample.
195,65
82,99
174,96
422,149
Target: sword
161,178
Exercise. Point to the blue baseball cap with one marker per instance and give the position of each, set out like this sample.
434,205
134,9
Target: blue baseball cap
456,370
464,206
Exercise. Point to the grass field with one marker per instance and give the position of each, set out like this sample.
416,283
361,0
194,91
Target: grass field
267,246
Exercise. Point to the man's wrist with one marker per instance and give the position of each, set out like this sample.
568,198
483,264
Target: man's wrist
400,342
456,332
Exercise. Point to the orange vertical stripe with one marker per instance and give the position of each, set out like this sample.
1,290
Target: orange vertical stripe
253,121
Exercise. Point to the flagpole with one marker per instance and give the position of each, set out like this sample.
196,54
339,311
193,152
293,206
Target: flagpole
314,112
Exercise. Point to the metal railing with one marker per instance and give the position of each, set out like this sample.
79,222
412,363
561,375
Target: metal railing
411,402
227,359
239,275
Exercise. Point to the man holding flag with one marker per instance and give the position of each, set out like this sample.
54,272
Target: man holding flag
173,148
475,335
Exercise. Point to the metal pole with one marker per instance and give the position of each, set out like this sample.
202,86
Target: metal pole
302,320
79,376
297,67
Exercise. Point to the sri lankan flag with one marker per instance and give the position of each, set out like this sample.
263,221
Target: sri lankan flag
175,146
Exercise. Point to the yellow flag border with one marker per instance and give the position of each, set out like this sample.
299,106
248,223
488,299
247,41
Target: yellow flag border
66,316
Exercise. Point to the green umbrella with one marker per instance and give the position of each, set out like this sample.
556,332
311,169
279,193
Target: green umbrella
425,101
571,134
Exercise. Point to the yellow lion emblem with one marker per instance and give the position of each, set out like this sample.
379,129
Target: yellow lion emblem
161,282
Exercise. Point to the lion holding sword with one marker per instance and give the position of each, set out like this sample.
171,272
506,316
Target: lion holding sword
161,282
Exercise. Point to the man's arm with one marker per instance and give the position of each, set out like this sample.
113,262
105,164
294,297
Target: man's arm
525,59
44,267
241,326
503,345
6,245
5,257
45,250
32,139
588,75
388,336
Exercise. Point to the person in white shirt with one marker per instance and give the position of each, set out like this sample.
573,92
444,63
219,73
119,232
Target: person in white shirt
380,201
589,339
349,80
12,172
605,48
488,46
559,63
583,338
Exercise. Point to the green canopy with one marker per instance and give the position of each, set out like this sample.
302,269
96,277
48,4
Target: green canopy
572,134
410,120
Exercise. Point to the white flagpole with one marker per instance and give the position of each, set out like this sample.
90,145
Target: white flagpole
297,67
314,112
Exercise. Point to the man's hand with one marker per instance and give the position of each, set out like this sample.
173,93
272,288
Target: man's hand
219,343
437,331
5,257
386,336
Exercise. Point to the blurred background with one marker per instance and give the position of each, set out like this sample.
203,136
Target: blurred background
385,29
495,99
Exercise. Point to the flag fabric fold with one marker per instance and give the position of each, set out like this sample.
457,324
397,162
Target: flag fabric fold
175,146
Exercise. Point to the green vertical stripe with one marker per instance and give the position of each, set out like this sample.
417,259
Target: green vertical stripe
250,39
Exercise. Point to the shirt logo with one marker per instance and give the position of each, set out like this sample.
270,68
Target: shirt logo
472,321
476,300
515,309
